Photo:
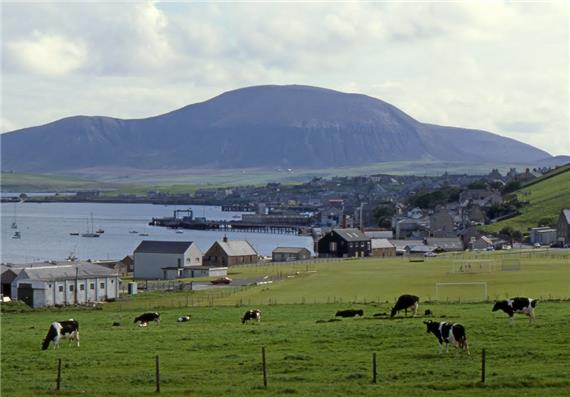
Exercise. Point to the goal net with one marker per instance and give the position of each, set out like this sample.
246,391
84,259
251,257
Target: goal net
472,266
475,291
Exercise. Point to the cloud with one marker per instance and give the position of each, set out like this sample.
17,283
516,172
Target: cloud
46,53
499,66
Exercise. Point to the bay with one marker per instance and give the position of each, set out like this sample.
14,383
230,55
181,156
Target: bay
45,231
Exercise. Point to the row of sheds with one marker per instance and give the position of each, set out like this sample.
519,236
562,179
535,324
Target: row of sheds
59,283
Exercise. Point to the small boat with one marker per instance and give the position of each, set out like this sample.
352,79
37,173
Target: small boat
133,232
17,235
14,225
143,234
179,232
74,234
99,231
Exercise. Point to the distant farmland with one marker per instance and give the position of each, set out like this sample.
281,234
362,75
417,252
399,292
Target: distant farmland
308,355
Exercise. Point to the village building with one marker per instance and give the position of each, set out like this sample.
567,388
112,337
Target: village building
441,224
449,244
165,259
542,235
225,252
344,243
64,283
381,247
482,243
287,254
8,275
563,226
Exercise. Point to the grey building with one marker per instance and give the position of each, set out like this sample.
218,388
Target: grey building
65,283
286,254
542,235
157,259
563,226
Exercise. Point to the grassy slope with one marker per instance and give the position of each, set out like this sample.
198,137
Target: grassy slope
17,182
546,198
215,355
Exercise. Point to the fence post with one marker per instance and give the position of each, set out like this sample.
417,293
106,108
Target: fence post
374,367
483,366
264,365
58,378
157,374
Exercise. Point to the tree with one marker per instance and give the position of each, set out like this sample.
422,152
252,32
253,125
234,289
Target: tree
383,215
480,184
511,187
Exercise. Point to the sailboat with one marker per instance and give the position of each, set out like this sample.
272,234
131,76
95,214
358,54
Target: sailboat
90,232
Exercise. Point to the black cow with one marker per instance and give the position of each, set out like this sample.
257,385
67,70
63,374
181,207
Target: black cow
449,333
518,304
406,302
61,329
349,313
253,314
145,318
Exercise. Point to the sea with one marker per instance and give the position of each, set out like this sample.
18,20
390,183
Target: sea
45,229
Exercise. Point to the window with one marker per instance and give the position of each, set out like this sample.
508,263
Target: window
60,288
49,285
81,287
70,288
92,286
112,281
102,285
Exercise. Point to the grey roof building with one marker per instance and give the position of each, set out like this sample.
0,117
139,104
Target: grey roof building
286,254
156,259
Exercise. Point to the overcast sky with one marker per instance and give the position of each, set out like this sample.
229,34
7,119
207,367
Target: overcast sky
500,67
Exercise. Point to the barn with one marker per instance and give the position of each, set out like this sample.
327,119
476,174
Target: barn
227,252
287,254
165,259
381,247
344,243
65,283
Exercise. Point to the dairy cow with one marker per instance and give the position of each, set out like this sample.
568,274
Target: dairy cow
447,333
521,305
253,314
145,318
349,313
406,302
61,329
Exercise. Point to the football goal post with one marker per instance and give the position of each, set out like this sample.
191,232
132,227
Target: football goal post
471,266
475,291
510,265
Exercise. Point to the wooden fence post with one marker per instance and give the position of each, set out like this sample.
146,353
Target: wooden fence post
483,366
264,365
374,367
157,374
58,379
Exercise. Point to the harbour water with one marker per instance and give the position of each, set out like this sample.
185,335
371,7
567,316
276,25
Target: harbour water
45,231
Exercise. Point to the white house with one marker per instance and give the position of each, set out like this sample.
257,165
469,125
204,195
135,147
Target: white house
165,259
65,283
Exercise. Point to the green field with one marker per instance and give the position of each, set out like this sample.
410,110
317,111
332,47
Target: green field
308,355
545,200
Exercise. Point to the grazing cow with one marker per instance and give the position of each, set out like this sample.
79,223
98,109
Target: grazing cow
428,313
61,329
406,302
145,318
449,333
349,313
183,319
253,314
517,305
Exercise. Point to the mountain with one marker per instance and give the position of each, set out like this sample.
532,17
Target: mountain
263,126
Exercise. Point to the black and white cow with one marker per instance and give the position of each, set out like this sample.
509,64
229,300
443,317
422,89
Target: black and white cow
145,318
518,304
406,302
446,332
349,313
253,314
183,319
61,329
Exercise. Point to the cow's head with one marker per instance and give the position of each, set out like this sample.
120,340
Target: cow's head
393,312
430,325
498,305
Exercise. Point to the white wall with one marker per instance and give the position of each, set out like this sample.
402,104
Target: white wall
149,265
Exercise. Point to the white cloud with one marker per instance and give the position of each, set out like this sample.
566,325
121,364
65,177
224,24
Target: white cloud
498,66
46,53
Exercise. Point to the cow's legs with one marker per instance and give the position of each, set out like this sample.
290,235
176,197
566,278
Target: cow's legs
77,337
414,309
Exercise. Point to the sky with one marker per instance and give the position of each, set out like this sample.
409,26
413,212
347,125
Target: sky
497,66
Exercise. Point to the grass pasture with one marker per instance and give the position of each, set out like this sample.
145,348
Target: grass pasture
307,354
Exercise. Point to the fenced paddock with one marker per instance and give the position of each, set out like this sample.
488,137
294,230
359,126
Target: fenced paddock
215,355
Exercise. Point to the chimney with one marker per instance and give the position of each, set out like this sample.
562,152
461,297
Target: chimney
225,239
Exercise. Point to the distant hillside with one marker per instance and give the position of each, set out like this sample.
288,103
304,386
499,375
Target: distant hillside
256,127
546,198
